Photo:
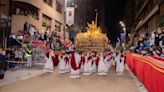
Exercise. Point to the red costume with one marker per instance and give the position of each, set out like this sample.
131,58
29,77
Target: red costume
82,61
73,62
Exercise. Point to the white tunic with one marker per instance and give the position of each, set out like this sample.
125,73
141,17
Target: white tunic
119,65
62,65
106,64
67,66
94,64
48,66
75,73
101,66
88,69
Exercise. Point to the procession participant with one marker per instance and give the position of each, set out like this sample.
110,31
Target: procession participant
106,61
48,66
94,58
67,62
75,60
82,61
97,60
119,63
110,60
88,64
101,66
122,64
62,64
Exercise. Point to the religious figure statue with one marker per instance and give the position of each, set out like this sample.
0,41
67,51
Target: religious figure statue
93,38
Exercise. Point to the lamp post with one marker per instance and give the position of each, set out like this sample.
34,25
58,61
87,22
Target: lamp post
124,29
96,19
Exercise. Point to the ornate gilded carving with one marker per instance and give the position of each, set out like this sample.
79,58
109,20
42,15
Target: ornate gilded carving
93,39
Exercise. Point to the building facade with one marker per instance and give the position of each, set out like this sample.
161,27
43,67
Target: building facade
4,21
142,16
42,14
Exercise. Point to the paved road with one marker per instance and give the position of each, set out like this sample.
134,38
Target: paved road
54,82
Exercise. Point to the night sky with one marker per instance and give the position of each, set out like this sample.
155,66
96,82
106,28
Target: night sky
114,13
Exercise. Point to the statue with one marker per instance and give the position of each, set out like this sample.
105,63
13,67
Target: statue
93,39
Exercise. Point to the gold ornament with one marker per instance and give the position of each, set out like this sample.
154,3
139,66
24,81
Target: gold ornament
93,39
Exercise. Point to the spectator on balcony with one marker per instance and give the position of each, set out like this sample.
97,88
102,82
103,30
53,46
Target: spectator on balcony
46,35
36,35
32,31
17,11
26,27
21,12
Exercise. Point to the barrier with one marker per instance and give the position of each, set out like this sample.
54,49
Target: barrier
148,69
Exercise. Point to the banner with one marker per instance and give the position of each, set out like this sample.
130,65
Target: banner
70,13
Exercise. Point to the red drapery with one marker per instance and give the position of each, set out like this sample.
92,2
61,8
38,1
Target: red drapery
150,75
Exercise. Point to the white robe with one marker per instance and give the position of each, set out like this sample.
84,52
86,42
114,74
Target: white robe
106,64
94,65
75,73
62,65
110,62
101,66
119,65
48,66
88,69
67,65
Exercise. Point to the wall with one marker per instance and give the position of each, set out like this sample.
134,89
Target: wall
43,9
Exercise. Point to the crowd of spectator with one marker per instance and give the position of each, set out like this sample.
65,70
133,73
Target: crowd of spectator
150,44
27,13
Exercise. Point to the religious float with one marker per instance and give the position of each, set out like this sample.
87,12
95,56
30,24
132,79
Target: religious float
92,40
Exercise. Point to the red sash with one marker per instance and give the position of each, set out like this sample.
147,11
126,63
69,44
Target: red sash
82,61
73,63
66,59
97,61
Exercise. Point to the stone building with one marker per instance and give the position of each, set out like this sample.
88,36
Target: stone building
42,14
4,21
142,16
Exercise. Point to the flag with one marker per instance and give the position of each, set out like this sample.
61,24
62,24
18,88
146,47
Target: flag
70,12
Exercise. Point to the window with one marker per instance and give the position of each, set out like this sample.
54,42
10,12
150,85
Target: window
58,7
49,2
46,21
57,26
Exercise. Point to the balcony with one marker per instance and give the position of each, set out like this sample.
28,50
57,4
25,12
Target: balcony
150,14
141,9
18,21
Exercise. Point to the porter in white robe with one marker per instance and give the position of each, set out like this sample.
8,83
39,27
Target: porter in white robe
48,66
75,60
101,66
62,65
67,63
88,69
119,65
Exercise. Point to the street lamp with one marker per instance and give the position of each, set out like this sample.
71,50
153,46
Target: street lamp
124,29
96,19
